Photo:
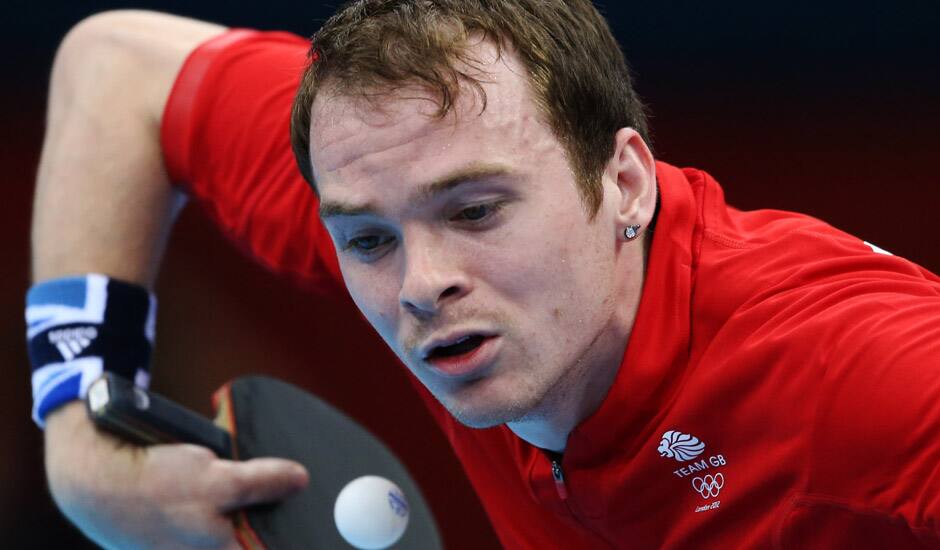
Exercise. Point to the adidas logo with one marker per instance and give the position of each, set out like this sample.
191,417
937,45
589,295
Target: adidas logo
71,341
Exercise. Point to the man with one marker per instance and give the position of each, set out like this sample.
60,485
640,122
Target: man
655,368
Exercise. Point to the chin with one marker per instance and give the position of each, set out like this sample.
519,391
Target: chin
478,419
478,407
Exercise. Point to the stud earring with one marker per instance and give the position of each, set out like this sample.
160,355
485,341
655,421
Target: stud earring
630,232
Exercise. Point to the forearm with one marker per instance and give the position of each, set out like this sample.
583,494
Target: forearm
103,200
104,204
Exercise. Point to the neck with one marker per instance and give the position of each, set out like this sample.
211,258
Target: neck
575,398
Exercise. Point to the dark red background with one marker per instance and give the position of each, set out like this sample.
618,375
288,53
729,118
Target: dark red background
831,111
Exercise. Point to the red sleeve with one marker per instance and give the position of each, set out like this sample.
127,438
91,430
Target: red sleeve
875,453
225,138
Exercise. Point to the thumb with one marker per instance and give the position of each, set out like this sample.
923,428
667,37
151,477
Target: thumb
238,484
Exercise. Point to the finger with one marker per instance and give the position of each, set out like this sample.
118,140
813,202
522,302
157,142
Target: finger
239,484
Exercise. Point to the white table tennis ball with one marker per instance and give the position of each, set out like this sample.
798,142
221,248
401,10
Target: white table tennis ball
371,512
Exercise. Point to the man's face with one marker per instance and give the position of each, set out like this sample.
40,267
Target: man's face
464,242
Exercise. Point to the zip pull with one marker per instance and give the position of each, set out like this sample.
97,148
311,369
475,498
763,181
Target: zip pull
559,476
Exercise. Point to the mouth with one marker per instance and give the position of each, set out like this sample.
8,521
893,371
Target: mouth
462,355
462,345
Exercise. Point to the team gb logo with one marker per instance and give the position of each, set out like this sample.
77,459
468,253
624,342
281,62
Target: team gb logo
680,446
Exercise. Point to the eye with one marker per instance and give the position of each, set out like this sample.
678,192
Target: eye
477,212
367,245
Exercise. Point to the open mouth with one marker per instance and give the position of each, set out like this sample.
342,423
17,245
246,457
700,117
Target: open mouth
460,347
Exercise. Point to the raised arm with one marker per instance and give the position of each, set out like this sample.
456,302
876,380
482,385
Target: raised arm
104,204
103,199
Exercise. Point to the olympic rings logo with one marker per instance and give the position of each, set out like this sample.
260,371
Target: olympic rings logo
708,486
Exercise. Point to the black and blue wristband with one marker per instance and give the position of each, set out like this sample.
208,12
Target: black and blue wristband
80,327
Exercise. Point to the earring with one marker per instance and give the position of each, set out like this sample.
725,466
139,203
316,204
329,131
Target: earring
630,232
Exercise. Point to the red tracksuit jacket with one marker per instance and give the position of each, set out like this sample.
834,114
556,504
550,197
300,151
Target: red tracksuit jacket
781,387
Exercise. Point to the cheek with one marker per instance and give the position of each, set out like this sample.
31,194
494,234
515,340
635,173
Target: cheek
535,271
561,274
376,299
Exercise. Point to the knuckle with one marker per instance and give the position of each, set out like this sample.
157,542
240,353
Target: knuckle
197,452
242,484
228,482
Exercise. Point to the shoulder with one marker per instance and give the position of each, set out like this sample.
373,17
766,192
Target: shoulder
779,262
868,320
860,328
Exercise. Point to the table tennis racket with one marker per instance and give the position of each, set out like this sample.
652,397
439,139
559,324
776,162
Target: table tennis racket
257,416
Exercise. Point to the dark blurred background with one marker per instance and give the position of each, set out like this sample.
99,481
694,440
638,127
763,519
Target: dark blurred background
830,109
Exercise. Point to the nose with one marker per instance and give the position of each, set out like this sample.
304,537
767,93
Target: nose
432,279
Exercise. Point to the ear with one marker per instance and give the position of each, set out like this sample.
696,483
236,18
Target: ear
633,170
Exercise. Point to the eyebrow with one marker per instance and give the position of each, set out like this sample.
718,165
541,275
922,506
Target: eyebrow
468,174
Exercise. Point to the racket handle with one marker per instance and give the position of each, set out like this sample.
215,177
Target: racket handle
139,416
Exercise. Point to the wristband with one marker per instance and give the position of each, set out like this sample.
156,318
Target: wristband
80,327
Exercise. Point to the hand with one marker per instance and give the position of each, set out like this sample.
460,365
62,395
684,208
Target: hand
164,496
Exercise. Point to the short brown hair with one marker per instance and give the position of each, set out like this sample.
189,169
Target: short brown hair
577,71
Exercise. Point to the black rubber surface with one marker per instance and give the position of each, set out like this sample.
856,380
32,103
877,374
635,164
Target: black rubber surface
274,418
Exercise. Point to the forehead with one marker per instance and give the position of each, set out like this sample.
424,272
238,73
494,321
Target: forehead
353,138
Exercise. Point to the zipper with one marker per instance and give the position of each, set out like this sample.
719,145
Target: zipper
559,476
